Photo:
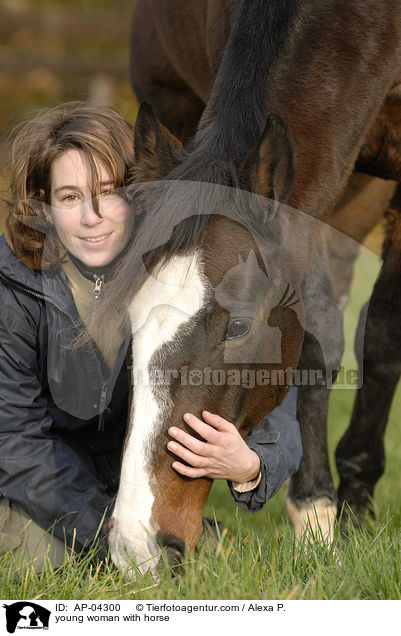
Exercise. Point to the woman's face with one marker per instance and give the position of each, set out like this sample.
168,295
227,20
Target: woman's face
94,240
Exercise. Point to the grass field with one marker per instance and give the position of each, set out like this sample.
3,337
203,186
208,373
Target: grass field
257,557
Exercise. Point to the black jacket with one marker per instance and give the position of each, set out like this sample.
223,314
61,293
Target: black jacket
63,414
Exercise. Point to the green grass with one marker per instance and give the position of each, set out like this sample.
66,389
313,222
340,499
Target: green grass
248,564
257,557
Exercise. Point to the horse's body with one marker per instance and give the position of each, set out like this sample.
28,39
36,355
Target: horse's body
332,74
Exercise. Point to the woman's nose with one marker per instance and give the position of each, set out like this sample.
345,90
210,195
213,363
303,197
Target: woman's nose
89,216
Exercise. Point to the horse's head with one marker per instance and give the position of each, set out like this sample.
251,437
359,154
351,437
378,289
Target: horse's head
212,290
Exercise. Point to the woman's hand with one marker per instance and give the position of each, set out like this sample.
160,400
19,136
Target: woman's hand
223,454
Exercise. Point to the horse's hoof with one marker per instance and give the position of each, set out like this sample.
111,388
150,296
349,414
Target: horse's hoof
314,520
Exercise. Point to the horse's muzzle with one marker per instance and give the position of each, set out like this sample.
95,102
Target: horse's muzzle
174,549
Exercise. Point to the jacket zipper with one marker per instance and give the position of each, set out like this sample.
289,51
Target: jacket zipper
97,292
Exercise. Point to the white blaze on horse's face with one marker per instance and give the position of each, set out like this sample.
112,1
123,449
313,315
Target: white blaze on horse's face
167,300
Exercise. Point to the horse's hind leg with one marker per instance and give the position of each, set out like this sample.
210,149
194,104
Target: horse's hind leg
360,453
311,503
311,500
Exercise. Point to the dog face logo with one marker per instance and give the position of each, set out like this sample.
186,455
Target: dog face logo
26,615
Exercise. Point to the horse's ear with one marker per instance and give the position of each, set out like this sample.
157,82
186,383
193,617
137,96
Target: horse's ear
157,151
269,167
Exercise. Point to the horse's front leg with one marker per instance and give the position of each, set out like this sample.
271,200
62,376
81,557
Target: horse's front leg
360,453
311,501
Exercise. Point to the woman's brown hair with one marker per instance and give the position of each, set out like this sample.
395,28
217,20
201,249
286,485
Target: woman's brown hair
97,131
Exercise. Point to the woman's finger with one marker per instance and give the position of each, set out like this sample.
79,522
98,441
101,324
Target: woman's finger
191,442
209,433
188,456
189,471
218,422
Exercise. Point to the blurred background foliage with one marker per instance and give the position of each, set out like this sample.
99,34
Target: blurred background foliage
60,50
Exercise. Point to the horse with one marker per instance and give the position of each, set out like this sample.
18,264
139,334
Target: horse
213,71
206,290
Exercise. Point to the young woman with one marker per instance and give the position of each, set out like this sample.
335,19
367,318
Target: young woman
63,411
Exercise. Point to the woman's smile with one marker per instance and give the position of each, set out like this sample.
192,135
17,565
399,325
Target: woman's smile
96,240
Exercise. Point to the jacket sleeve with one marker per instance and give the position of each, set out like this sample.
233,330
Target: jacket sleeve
54,484
278,443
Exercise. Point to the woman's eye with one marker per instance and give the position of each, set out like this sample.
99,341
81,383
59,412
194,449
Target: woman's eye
237,328
70,198
107,193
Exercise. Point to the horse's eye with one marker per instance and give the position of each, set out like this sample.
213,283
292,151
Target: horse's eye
238,327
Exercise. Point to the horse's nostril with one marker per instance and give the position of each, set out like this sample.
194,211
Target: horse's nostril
174,556
174,549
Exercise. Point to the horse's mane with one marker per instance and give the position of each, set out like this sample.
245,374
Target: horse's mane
238,106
